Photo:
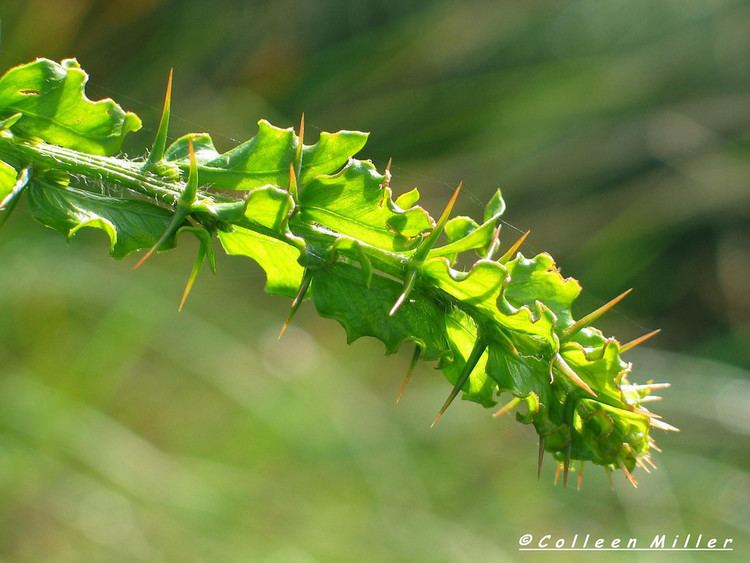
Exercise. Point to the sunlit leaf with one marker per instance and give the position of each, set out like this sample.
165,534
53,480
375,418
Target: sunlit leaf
278,259
130,224
54,107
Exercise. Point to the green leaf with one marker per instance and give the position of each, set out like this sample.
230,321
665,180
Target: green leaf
481,288
8,176
495,207
269,207
265,159
521,375
54,107
462,334
278,259
600,366
130,224
538,279
463,235
408,199
353,203
330,153
459,227
364,310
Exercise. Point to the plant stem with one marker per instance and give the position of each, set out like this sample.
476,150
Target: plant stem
128,174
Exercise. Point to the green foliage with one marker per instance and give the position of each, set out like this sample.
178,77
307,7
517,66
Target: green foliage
53,106
323,224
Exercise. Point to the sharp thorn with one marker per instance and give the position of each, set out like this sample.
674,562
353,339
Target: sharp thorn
579,479
638,341
558,470
511,252
642,465
540,458
300,146
572,375
594,315
650,461
650,399
652,444
427,244
301,133
628,474
177,220
297,301
145,258
187,198
160,141
476,353
197,265
445,215
409,371
397,304
510,406
411,278
661,425
183,207
293,188
650,386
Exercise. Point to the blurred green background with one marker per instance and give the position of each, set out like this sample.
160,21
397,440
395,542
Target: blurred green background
619,131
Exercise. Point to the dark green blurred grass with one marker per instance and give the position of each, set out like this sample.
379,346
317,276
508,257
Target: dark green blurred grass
619,133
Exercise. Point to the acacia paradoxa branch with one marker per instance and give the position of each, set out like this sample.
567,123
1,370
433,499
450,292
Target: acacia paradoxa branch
324,225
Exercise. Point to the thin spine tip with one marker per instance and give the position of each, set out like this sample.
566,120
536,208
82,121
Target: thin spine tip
437,418
411,279
300,146
642,465
191,154
409,372
160,142
397,304
596,314
476,353
168,91
283,329
511,252
203,252
638,341
296,301
451,203
540,458
508,407
628,475
579,478
572,375
661,425
144,258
